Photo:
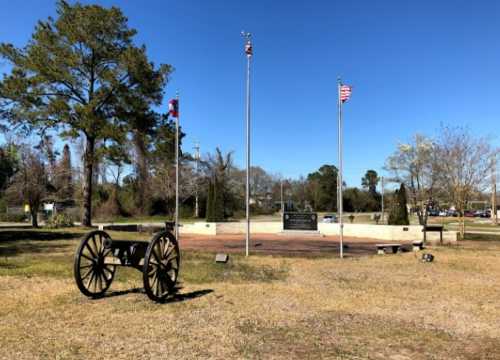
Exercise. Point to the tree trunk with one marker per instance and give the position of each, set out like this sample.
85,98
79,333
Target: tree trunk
87,182
142,197
462,227
461,213
34,217
420,216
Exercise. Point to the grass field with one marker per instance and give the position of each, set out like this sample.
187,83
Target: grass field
370,307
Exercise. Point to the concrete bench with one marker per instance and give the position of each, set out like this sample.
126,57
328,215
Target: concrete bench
418,245
381,248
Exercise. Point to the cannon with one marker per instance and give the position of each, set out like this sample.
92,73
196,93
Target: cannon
98,256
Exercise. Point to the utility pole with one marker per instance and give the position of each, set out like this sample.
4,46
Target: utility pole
249,54
197,174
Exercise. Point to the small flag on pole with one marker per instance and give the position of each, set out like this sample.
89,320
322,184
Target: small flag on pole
345,92
173,108
248,48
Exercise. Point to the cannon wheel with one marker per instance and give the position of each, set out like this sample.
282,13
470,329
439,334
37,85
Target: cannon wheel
161,266
93,277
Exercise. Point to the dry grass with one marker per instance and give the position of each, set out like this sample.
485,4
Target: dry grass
376,307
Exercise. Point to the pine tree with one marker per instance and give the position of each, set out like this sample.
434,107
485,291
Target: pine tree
398,214
394,210
218,201
64,177
210,202
81,72
215,201
403,208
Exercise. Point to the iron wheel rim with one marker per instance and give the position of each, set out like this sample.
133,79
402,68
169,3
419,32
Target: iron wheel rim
161,267
93,276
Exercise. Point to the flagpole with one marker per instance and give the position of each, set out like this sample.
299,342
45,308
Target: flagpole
248,51
177,172
339,181
383,185
197,172
494,214
282,203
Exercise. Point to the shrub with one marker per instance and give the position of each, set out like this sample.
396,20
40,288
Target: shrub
3,206
59,221
110,208
5,217
186,212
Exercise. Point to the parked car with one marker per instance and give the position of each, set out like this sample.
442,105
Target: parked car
443,213
433,212
330,219
469,213
486,214
478,213
453,213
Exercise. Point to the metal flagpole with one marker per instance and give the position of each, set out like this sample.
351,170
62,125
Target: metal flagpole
282,203
249,53
177,172
339,196
494,213
197,158
382,199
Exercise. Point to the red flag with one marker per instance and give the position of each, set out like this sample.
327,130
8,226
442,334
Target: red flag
345,92
173,108
248,48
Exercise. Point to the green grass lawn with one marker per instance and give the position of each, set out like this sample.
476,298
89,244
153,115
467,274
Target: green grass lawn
50,253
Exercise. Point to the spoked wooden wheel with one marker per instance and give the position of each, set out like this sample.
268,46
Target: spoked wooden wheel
92,275
161,266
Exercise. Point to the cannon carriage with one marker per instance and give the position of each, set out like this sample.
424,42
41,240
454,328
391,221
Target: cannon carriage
98,256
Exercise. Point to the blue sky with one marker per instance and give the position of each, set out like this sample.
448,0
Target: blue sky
413,65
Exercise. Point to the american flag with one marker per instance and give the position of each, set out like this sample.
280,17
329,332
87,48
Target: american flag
173,108
345,92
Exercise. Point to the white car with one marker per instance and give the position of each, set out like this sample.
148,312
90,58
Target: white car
330,219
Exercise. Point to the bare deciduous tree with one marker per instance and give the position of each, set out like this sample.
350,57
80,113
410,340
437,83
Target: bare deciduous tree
414,165
465,164
30,182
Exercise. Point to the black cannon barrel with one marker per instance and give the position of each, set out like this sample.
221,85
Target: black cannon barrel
125,244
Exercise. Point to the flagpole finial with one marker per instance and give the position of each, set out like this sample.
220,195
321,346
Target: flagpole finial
246,35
